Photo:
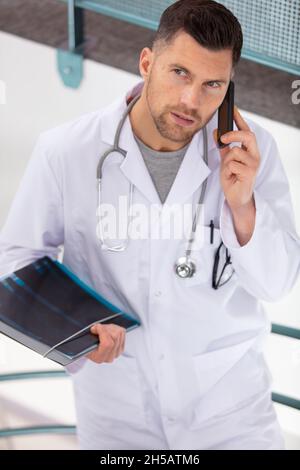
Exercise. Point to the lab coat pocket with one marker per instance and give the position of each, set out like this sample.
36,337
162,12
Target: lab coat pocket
203,256
113,390
228,378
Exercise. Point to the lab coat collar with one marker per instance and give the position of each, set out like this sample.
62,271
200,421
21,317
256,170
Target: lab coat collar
192,171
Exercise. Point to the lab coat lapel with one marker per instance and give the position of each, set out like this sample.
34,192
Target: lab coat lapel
133,166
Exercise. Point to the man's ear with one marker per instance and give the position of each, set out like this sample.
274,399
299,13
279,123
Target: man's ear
145,64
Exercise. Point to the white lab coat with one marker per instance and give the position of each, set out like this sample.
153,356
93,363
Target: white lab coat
193,376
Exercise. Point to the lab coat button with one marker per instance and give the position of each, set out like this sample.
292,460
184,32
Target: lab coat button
170,419
161,357
158,293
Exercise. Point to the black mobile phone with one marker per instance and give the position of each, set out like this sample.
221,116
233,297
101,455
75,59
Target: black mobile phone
225,114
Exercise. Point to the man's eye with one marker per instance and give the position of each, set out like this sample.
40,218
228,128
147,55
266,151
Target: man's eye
178,70
213,84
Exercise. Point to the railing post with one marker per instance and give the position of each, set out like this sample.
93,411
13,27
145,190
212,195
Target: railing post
75,25
70,62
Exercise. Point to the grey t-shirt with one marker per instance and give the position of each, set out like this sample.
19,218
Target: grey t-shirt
162,166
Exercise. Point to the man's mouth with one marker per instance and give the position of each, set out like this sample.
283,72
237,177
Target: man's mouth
182,120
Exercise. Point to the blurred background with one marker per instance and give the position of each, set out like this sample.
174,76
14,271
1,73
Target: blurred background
60,59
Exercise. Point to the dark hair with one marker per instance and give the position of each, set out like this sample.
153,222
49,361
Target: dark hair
211,24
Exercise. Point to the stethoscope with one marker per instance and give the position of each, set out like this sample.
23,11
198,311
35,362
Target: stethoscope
184,267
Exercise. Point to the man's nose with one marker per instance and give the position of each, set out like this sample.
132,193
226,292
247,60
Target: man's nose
190,99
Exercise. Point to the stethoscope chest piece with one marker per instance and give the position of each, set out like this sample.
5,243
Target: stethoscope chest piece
185,267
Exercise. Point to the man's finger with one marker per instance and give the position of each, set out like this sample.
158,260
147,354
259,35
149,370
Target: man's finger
236,168
111,338
223,151
239,155
117,349
239,120
122,342
246,138
106,341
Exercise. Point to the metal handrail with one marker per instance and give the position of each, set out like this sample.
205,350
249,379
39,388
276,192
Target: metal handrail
284,330
289,332
43,429
249,51
49,429
70,60
285,400
37,374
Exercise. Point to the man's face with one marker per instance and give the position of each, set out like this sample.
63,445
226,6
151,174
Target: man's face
188,79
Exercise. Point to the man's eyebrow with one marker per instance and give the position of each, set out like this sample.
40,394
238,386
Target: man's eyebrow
220,80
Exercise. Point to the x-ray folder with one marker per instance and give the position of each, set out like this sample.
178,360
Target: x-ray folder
45,307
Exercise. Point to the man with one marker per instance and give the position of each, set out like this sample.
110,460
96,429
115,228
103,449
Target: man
193,375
